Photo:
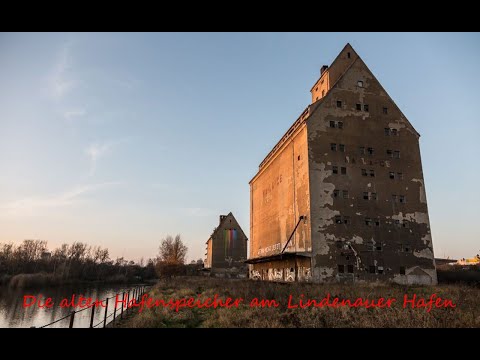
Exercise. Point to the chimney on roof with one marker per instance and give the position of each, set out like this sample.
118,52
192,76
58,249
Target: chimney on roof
322,69
221,218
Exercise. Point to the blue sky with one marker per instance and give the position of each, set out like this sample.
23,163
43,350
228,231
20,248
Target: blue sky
119,139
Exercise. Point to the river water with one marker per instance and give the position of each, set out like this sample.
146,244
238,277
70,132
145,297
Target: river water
13,314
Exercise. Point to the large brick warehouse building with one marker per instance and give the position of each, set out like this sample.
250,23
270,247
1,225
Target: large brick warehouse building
341,197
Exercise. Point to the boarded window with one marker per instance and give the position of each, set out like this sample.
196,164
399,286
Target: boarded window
373,196
394,198
400,176
340,125
362,150
364,172
372,269
396,154
394,132
350,269
343,170
341,147
402,270
387,131
345,194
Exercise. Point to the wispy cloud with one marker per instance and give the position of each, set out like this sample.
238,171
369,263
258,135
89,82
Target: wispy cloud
30,205
59,81
70,115
96,151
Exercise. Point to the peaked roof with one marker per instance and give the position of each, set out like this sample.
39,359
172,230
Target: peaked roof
306,114
221,223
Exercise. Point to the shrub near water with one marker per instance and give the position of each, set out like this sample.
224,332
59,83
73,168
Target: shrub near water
466,314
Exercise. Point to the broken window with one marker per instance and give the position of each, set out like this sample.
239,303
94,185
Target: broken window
372,173
368,221
335,193
350,269
335,169
332,124
360,83
385,110
372,269
365,107
392,175
402,270
403,199
405,248
373,196
396,154
346,220
365,196
341,268
362,150
378,248
377,222
339,104
394,132
341,147
405,224
400,176
358,107
390,153
338,219
370,151
364,172
387,131
348,54
343,170
380,269
333,147
345,194
340,125
397,223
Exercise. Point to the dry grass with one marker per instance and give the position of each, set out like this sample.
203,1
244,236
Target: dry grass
466,314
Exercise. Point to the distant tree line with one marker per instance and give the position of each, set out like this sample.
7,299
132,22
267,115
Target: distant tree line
77,261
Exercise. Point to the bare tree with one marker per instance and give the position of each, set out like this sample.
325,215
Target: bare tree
173,251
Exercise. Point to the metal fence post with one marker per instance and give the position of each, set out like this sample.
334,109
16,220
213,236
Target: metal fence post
123,299
72,318
92,315
115,309
105,317
128,299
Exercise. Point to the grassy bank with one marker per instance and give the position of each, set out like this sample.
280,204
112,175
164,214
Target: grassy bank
466,314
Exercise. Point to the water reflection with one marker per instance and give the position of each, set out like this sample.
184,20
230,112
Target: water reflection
13,314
